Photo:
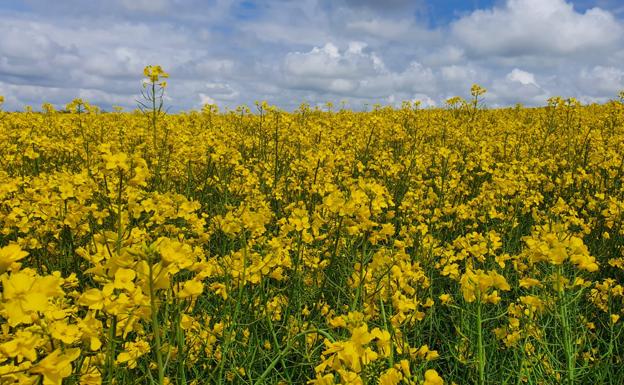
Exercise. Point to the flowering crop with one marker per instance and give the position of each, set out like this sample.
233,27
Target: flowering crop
396,246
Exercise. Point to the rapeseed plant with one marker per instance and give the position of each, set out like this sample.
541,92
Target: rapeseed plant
320,246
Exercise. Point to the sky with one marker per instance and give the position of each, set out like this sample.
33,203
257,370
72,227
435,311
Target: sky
358,52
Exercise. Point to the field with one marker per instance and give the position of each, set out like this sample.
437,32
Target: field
256,246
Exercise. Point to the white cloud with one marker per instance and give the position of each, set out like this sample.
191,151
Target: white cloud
522,77
101,62
222,91
425,100
214,66
308,50
602,80
205,99
383,28
145,5
537,27
329,62
517,86
446,55
460,77
416,78
19,96
355,72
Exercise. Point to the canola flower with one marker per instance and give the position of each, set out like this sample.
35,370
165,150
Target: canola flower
396,246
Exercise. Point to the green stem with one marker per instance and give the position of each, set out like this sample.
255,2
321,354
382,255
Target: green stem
119,219
284,351
276,154
154,114
567,335
480,348
156,327
180,341
110,356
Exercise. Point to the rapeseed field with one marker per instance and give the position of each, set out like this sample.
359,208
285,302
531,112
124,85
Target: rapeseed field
320,246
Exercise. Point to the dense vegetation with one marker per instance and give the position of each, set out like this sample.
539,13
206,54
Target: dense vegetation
395,246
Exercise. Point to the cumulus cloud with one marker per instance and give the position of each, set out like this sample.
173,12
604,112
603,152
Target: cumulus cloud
537,27
329,62
145,5
386,29
601,80
222,91
425,100
205,99
392,4
445,55
517,86
523,77
355,71
234,52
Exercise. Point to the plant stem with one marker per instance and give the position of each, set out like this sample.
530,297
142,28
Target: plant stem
480,348
568,344
155,326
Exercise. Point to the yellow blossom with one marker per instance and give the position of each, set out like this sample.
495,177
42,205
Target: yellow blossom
56,366
9,255
433,378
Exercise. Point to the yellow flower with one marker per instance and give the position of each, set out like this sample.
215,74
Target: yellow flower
445,298
529,282
91,375
90,327
475,285
299,219
65,332
383,341
132,352
391,376
154,73
433,378
174,252
405,368
23,345
56,366
534,303
9,255
219,289
93,298
426,353
477,90
348,377
124,279
26,293
327,379
614,318
116,161
191,288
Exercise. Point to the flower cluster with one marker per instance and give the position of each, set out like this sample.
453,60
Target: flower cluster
395,246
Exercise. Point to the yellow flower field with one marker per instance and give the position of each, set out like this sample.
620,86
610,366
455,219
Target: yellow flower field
321,246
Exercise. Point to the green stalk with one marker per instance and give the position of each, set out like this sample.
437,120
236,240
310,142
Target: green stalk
119,219
276,153
110,356
154,114
383,315
568,344
156,327
180,341
480,348
228,335
285,351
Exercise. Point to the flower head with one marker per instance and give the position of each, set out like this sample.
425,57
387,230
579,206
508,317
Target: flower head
154,73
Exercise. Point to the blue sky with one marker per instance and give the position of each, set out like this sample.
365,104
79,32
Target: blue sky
232,52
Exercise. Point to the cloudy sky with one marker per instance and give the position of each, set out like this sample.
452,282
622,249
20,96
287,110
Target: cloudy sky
232,52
